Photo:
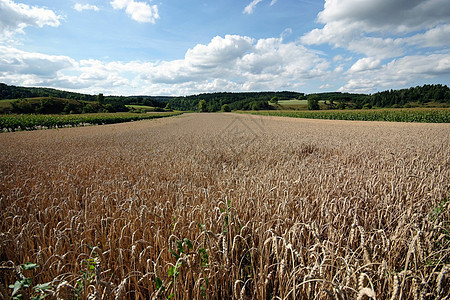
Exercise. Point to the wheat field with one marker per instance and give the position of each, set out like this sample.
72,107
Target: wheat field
226,206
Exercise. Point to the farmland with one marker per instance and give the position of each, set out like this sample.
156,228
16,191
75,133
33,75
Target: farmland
227,206
422,115
144,108
33,122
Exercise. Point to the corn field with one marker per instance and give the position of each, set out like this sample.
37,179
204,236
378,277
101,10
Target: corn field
34,122
226,206
420,115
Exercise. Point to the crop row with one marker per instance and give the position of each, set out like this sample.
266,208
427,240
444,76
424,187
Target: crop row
390,115
33,122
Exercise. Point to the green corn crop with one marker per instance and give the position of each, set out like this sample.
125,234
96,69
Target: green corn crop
33,122
390,115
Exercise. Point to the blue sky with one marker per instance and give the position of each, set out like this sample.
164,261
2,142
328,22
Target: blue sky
147,47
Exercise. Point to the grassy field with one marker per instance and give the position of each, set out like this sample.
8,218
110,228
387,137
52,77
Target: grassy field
423,115
293,102
141,107
227,206
5,105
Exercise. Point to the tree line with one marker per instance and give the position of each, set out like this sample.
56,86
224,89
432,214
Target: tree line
413,96
420,94
117,102
234,101
52,105
211,102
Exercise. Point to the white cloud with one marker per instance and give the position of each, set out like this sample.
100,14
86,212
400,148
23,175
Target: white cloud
361,85
219,51
399,72
380,28
141,12
249,8
80,7
435,37
325,86
14,17
364,64
21,67
229,63
387,15
386,30
427,65
242,64
18,61
350,36
339,69
287,60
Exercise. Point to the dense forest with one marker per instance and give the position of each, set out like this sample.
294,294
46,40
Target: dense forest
413,96
17,92
235,101
77,103
117,102
421,94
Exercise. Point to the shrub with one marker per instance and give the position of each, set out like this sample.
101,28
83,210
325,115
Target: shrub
226,108
313,103
202,107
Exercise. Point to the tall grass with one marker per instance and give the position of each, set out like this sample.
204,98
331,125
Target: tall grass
217,206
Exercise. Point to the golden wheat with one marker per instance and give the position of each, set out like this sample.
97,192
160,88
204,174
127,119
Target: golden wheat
220,206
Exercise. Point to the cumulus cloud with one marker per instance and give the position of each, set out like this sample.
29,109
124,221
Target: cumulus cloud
364,64
218,59
288,60
17,61
387,15
141,12
80,7
23,67
229,63
219,51
397,72
380,28
435,37
386,33
14,17
241,63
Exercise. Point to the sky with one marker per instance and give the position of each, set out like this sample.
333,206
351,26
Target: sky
176,48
